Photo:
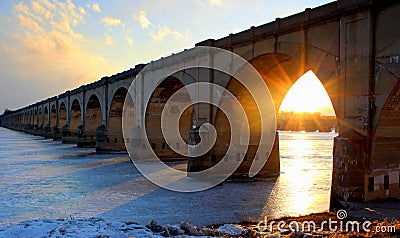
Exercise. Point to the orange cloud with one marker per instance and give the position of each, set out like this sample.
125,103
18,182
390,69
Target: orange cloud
164,31
109,21
129,40
143,20
95,7
52,49
109,39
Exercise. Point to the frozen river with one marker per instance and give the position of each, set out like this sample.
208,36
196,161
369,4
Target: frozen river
44,179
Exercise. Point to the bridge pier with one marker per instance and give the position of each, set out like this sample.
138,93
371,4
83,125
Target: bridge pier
109,140
57,133
69,135
86,137
359,174
47,132
350,166
271,168
38,131
29,129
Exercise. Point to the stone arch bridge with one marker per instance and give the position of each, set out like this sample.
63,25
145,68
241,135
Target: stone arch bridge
352,46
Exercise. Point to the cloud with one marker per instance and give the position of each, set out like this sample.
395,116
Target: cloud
109,21
41,10
164,31
215,2
129,40
82,10
109,39
95,7
48,47
157,33
143,20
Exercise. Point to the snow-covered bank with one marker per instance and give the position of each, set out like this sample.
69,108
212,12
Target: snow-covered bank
97,227
93,227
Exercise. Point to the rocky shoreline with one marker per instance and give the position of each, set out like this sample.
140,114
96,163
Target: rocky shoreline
283,227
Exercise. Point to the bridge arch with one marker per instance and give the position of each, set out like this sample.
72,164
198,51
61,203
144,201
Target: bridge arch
114,91
91,95
62,115
53,115
92,120
110,136
58,119
40,117
279,72
46,115
116,107
158,99
93,114
75,115
30,122
75,99
35,117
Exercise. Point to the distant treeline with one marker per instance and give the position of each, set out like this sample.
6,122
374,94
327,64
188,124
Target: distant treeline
299,121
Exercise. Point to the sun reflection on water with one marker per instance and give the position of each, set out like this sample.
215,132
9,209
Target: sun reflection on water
305,169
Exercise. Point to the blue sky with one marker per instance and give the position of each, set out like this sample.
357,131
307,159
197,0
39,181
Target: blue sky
50,46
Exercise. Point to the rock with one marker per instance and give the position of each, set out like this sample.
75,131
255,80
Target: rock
210,232
61,230
173,231
231,229
131,223
165,231
296,234
189,229
249,233
155,227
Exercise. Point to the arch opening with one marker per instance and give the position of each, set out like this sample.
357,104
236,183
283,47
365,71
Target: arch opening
53,116
70,130
111,138
76,115
93,119
60,121
62,115
45,116
40,118
153,118
35,122
307,125
47,130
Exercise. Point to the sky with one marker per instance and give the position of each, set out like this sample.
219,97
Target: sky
50,46
315,99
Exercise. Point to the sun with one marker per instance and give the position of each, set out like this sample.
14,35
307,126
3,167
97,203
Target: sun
308,95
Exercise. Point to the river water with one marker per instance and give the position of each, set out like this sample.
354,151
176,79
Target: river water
41,178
